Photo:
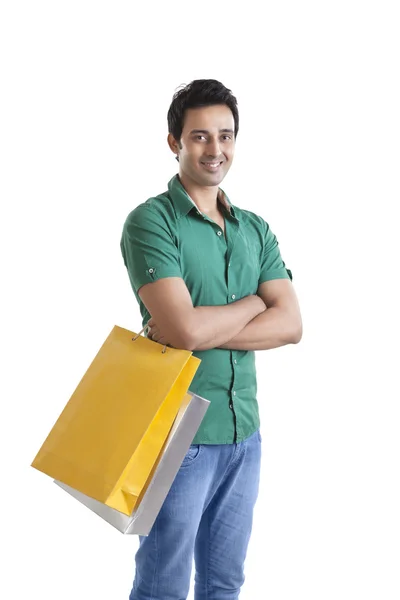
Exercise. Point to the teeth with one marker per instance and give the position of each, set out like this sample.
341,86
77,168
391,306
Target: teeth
212,164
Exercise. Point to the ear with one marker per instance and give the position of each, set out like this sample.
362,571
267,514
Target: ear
173,144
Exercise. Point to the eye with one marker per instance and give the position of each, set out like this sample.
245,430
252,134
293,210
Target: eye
199,137
227,137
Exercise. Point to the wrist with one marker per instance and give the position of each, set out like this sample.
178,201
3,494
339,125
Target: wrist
257,304
261,304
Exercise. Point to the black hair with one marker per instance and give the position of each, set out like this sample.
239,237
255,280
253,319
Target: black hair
198,93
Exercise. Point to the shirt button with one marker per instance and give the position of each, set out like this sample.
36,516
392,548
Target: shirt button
229,265
219,232
235,361
231,406
151,270
233,296
234,393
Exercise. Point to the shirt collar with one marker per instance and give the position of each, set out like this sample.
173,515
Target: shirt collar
183,202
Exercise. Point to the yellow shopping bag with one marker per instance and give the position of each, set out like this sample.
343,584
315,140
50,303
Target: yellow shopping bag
107,439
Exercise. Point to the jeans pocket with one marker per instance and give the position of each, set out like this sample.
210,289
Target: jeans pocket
191,455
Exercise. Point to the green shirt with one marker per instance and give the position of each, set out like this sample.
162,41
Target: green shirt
167,236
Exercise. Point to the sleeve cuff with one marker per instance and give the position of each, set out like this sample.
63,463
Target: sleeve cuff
282,273
153,274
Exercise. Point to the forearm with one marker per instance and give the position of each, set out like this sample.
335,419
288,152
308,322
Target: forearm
273,328
213,326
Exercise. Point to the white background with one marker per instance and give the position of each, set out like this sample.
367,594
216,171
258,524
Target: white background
85,91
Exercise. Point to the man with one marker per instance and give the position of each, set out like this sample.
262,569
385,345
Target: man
209,278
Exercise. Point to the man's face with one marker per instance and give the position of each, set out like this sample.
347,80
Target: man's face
207,144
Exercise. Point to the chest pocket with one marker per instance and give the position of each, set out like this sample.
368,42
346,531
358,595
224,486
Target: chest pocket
246,262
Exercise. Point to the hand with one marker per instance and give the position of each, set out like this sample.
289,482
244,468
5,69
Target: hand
261,304
155,334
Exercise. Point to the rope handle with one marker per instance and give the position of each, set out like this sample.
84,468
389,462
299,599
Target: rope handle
144,329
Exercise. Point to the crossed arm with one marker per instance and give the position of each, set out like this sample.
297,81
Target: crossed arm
279,323
257,322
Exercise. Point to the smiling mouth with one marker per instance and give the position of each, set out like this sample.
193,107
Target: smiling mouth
212,166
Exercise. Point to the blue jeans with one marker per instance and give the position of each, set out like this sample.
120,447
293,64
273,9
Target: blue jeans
207,515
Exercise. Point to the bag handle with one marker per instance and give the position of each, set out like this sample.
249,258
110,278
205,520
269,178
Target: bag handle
144,329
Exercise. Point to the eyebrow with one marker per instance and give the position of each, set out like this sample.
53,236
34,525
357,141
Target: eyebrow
206,131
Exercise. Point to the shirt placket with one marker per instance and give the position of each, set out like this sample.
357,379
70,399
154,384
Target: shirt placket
233,294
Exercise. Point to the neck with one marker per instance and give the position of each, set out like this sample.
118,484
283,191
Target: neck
205,197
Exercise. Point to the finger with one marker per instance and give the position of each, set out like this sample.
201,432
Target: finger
155,335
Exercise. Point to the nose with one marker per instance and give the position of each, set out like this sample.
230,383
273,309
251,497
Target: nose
213,150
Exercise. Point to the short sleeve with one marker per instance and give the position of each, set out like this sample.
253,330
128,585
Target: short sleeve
148,247
272,265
